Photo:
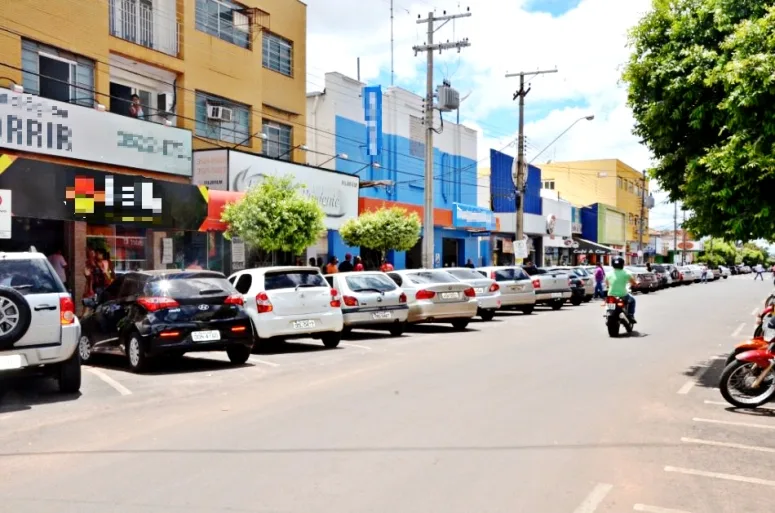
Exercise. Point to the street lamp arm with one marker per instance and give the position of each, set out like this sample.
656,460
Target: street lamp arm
588,118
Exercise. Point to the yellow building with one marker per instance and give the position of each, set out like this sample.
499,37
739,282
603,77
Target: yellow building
222,69
608,181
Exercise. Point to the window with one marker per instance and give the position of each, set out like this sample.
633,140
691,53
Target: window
244,283
619,183
370,283
189,284
236,131
278,54
56,74
548,184
29,277
224,20
293,279
629,186
430,278
278,140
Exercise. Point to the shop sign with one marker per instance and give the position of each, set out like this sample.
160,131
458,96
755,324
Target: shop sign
39,125
471,216
520,249
211,169
336,193
5,214
237,254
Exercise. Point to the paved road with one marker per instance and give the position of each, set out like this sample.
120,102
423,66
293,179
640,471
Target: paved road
540,413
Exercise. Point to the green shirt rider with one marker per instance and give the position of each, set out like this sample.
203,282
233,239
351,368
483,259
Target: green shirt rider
617,281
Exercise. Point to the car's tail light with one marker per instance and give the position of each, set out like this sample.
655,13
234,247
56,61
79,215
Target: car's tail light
349,301
470,292
263,305
234,299
536,283
495,287
66,311
154,304
402,298
238,329
335,302
425,294
169,334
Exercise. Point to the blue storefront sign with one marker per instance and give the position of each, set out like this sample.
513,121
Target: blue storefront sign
471,216
372,108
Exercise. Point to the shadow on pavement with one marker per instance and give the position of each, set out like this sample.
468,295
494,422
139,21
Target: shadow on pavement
435,328
766,413
282,347
20,394
368,335
707,378
166,365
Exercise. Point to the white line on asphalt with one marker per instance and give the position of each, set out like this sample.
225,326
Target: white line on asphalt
724,403
729,445
655,509
732,423
737,331
355,345
263,362
118,387
718,475
687,387
594,498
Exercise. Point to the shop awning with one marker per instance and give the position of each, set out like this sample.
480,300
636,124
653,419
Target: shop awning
216,201
587,247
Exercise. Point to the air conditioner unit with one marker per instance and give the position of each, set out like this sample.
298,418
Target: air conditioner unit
218,112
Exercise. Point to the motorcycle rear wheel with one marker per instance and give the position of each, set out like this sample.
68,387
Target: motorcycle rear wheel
613,328
736,376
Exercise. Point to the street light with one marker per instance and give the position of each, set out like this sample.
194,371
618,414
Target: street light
302,147
374,165
587,118
342,156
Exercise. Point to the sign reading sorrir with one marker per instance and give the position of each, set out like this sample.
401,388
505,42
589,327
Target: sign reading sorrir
39,125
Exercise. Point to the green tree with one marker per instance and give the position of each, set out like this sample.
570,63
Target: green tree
752,254
701,85
382,230
725,251
275,216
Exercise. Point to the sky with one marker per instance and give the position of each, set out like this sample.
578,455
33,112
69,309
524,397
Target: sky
585,40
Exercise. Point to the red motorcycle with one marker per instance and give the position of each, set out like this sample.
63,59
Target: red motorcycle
749,381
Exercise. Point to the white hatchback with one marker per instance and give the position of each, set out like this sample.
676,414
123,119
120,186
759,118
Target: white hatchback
290,302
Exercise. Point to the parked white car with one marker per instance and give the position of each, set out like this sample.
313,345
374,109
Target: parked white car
488,293
290,302
434,295
687,275
516,287
725,272
371,300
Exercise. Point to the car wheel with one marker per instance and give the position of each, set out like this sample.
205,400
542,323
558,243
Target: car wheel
460,324
135,353
487,315
238,354
69,375
331,340
527,310
84,348
14,317
398,329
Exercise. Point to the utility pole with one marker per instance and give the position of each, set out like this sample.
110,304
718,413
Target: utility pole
683,232
675,231
392,70
519,192
642,215
429,47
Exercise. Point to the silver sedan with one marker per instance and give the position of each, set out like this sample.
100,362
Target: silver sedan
371,300
488,294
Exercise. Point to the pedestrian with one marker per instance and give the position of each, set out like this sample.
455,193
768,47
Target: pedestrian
358,264
331,268
470,264
386,266
347,265
193,264
759,272
704,274
599,280
59,264
312,262
320,265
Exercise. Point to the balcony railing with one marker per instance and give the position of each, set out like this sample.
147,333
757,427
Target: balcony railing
145,23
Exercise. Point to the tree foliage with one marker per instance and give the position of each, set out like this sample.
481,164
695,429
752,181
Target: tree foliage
752,254
275,216
701,85
382,230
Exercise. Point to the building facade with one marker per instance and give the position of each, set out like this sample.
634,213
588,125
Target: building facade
379,135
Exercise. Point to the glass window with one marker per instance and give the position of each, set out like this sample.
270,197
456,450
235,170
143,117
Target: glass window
370,282
278,140
277,54
124,247
57,74
29,276
396,278
465,274
235,130
293,279
244,283
188,285
431,277
224,20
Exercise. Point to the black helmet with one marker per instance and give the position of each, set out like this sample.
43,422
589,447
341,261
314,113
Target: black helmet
617,263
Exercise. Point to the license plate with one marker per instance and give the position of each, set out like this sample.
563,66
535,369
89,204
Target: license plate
557,295
449,295
479,290
206,336
611,306
13,361
381,315
300,325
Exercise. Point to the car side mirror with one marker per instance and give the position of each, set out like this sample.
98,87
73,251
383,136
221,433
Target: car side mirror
89,302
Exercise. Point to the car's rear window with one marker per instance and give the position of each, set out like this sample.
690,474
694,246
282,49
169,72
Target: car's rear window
428,278
189,285
292,279
32,276
465,274
370,283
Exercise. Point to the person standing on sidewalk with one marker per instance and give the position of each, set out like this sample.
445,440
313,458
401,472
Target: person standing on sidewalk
704,274
759,272
599,280
347,265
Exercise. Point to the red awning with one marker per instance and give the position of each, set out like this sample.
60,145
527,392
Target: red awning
216,201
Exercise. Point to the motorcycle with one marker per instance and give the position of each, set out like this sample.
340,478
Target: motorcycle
767,312
616,315
748,381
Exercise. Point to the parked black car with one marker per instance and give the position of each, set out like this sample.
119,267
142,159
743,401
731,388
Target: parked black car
145,314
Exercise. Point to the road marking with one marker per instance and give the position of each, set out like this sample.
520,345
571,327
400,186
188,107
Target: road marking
732,423
687,387
355,345
118,387
655,509
263,362
724,403
718,475
729,445
739,329
594,498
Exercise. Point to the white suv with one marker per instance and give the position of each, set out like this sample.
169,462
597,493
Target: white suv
290,302
38,327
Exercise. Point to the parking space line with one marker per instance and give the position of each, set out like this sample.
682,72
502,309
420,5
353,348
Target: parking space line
719,475
118,387
732,423
594,499
729,445
724,403
263,362
655,509
354,345
739,329
687,387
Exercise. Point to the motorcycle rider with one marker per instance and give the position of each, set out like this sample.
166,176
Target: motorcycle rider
617,285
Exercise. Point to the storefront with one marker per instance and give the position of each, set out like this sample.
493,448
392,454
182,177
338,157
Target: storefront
604,225
591,253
